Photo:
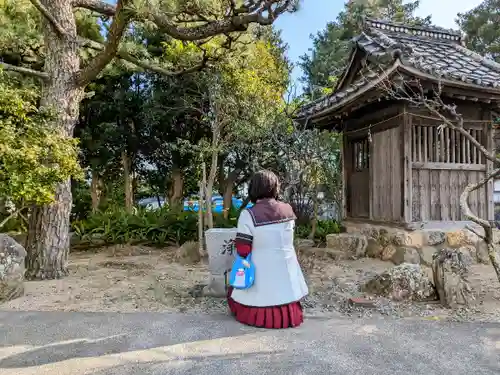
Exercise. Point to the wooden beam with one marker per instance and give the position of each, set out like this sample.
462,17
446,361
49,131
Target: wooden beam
448,166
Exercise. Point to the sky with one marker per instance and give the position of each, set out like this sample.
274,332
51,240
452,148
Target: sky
315,14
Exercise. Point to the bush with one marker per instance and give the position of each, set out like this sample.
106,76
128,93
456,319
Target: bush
166,226
230,222
156,227
323,228
14,224
82,201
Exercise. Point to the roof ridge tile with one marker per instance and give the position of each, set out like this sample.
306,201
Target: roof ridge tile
431,32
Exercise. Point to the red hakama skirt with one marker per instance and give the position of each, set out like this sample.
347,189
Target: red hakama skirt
272,317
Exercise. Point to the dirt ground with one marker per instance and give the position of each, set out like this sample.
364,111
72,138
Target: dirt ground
143,279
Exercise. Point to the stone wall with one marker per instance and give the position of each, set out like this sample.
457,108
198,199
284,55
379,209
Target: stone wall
418,246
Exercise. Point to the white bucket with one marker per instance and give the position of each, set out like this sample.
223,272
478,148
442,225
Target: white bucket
220,249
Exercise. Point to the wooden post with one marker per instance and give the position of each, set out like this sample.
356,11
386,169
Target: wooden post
371,177
406,132
344,177
490,145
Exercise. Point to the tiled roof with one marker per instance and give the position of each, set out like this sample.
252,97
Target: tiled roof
430,50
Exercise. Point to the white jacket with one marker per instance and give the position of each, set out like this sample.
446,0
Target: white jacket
278,276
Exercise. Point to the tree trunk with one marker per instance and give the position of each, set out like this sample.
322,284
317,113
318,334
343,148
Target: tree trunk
210,187
127,180
177,188
314,221
95,190
227,193
244,204
49,226
228,198
485,224
210,184
201,248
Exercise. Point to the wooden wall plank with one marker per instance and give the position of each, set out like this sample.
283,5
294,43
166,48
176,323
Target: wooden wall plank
462,182
434,191
415,199
444,194
454,197
406,131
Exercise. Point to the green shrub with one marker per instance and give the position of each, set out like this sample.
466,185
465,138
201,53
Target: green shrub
230,222
323,228
82,200
156,227
14,224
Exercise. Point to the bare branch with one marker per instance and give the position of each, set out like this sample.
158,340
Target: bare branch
117,29
26,71
146,65
468,227
488,229
96,6
464,197
412,91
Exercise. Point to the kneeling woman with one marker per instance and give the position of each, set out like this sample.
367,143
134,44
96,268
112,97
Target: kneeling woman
266,230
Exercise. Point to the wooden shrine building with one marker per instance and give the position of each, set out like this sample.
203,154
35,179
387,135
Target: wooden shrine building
399,165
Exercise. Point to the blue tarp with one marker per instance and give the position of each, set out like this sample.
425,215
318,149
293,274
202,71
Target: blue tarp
217,204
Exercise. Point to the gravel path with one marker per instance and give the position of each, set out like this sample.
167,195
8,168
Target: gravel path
158,343
138,279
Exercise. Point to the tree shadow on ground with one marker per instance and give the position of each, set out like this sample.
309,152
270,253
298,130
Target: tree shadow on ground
279,362
145,343
55,342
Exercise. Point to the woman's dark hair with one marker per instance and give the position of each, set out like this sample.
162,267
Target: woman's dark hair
263,185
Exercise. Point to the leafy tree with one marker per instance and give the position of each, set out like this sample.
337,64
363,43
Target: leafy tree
34,157
481,26
65,77
331,46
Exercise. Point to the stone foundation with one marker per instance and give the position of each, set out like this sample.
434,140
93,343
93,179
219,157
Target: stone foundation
414,246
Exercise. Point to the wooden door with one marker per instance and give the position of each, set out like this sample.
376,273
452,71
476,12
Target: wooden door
359,179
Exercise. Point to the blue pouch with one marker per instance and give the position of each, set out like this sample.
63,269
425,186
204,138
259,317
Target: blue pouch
242,273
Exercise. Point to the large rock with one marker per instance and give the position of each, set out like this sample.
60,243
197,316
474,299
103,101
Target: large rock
12,256
374,248
388,252
469,253
188,253
435,237
457,239
482,255
450,268
303,243
353,245
324,253
427,255
403,282
401,239
406,255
